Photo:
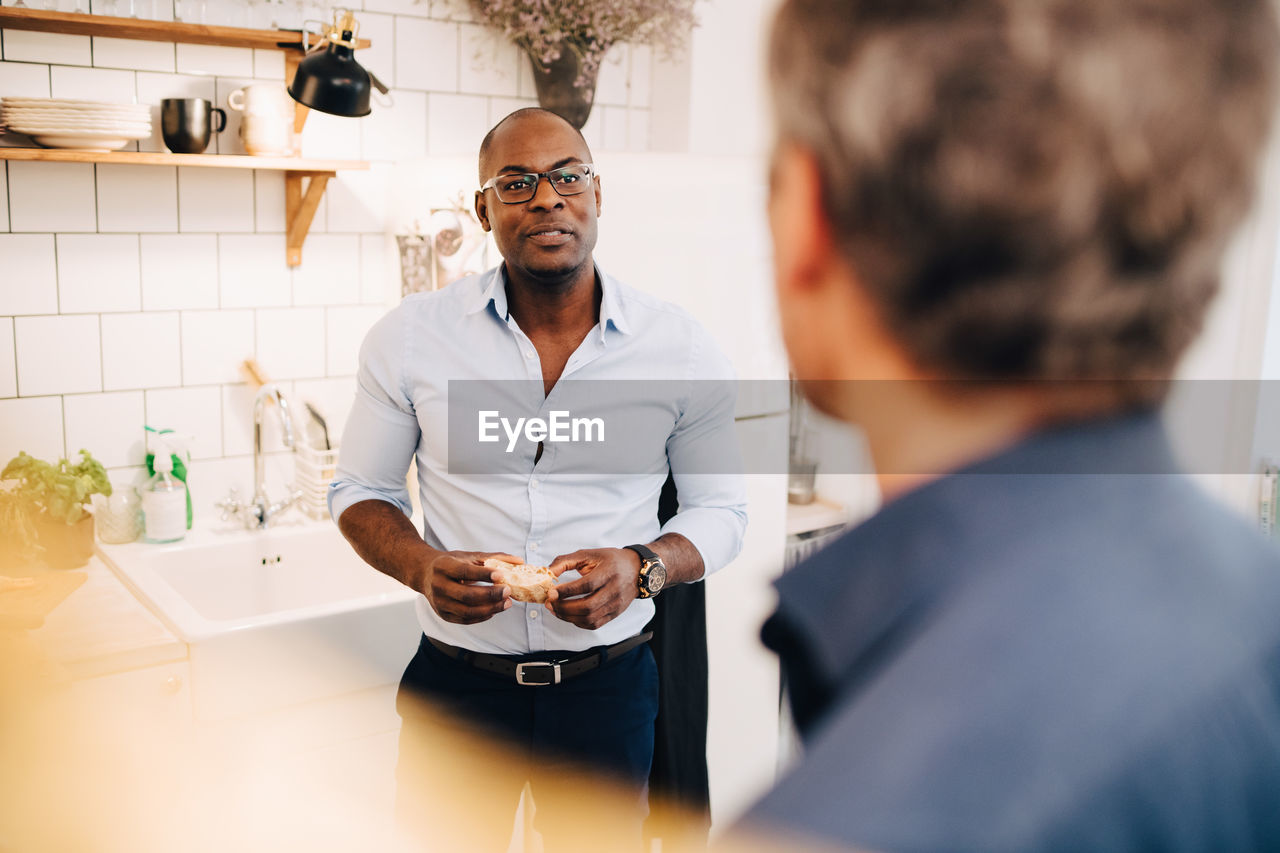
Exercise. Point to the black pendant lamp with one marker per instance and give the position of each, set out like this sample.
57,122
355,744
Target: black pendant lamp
329,79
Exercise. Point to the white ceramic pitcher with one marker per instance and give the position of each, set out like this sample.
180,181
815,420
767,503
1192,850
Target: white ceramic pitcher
261,99
266,127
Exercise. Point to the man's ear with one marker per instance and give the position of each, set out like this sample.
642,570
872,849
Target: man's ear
596,186
482,211
803,245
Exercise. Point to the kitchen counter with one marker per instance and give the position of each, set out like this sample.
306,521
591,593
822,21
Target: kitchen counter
102,628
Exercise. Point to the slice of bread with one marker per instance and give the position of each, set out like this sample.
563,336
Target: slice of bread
528,583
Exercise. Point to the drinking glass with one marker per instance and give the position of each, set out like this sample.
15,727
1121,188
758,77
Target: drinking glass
118,517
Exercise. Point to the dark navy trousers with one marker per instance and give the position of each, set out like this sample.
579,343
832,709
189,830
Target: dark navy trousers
601,721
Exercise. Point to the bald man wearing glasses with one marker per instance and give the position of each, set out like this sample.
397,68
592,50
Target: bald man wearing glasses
570,680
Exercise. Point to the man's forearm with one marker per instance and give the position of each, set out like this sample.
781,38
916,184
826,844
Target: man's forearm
683,562
385,538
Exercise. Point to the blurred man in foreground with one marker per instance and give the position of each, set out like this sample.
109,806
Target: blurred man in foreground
998,226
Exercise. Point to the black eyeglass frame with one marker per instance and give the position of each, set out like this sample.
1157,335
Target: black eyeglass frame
536,177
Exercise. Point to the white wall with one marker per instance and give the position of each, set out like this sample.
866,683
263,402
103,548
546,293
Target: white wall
130,294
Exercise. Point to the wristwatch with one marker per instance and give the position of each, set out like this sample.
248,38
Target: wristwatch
653,572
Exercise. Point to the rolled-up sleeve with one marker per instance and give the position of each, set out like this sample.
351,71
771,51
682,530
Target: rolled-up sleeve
382,431
706,463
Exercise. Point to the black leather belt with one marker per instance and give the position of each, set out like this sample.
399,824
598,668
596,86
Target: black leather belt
538,673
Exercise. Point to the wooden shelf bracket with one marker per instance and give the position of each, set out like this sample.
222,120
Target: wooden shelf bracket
300,204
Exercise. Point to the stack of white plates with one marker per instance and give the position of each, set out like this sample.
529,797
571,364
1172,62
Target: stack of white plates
86,125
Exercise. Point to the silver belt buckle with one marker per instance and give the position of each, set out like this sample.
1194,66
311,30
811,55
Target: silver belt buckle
520,669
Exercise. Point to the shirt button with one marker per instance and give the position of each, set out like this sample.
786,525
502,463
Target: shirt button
533,546
533,614
528,353
533,484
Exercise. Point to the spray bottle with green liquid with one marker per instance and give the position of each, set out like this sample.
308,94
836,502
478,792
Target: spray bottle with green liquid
167,443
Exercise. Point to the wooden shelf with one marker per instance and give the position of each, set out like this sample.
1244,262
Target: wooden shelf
22,18
305,180
164,158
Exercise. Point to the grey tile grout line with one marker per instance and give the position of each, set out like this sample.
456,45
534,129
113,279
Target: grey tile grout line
13,325
62,407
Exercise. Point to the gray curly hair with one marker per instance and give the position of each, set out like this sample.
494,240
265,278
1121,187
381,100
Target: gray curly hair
1032,189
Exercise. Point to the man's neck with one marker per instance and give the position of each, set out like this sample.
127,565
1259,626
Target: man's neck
554,308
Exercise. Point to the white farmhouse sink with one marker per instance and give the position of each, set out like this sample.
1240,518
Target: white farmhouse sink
273,617
217,581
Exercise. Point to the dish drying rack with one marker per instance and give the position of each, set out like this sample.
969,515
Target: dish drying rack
314,470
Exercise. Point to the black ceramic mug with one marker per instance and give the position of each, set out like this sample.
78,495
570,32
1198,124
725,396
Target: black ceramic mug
186,124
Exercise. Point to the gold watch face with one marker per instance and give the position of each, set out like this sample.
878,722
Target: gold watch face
655,578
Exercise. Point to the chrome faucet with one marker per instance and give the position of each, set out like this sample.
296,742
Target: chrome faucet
260,510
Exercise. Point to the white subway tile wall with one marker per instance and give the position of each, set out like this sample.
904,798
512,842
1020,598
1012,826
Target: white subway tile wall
457,123
489,64
22,46
214,345
215,200
120,187
214,60
141,350
30,284
93,84
611,87
333,276
639,78
23,80
290,342
614,127
268,203
8,367
194,414
268,64
98,273
130,53
345,329
179,271
252,272
106,425
33,424
58,355
52,197
398,132
132,294
426,55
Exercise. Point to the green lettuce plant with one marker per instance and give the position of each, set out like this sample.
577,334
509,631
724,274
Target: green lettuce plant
60,491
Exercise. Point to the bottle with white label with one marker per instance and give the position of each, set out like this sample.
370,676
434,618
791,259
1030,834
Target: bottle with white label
164,503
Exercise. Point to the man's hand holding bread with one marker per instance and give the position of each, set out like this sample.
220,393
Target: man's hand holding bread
457,585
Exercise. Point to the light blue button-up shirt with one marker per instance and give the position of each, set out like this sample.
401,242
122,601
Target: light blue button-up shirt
465,332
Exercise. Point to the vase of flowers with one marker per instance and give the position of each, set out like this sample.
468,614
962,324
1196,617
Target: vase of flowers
567,39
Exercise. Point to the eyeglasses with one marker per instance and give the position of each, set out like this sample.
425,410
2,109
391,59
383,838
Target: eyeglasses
516,189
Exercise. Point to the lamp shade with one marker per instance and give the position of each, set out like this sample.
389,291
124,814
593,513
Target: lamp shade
331,81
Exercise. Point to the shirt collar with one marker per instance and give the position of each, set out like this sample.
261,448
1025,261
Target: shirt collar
493,291
878,580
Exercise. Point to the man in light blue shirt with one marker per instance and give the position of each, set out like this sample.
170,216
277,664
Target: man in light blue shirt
573,674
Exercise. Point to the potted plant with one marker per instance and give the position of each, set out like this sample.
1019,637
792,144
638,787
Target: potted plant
53,498
566,40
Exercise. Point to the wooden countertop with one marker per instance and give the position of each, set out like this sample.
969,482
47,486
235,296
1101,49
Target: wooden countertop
103,628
